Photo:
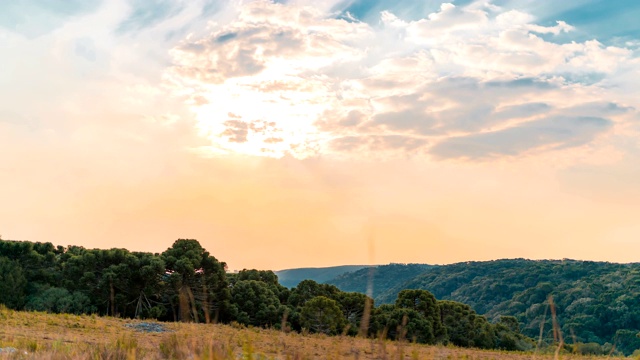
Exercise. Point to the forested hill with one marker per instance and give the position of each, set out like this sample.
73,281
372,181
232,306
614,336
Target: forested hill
382,278
292,277
596,301
187,283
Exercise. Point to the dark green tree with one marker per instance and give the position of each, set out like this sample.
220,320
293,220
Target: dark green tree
396,323
13,284
627,341
323,315
353,305
459,320
253,303
511,323
266,276
197,280
59,300
424,303
308,289
147,285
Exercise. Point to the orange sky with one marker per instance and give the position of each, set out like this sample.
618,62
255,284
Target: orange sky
281,137
282,213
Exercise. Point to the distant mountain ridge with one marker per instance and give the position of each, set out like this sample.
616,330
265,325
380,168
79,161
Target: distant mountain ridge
292,277
595,301
382,278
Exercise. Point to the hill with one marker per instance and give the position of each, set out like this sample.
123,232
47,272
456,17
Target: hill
292,277
186,283
383,278
51,336
595,301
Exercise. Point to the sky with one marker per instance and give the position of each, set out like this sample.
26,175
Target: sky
302,133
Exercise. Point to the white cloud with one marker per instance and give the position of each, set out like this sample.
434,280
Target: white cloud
325,82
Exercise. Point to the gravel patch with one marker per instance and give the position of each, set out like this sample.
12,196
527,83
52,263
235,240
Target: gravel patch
148,327
11,350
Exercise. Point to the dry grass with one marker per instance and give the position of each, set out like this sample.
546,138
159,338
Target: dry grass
47,336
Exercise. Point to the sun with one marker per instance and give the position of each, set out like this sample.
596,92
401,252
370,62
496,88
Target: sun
261,116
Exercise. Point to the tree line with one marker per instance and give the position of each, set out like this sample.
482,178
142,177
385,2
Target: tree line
187,283
597,303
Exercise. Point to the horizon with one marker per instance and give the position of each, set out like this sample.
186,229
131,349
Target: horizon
235,270
288,132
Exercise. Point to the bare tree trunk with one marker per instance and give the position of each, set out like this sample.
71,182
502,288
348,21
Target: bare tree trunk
112,298
205,304
183,297
193,304
173,309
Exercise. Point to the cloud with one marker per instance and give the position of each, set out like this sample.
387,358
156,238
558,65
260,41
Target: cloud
459,72
325,82
555,30
86,49
520,111
379,144
551,133
236,131
147,13
265,36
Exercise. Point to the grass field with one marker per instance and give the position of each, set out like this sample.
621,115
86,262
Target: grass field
48,336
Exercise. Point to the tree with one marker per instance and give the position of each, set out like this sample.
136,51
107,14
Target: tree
322,315
266,276
424,303
12,283
511,323
627,341
253,303
308,289
197,278
147,285
353,305
59,300
459,320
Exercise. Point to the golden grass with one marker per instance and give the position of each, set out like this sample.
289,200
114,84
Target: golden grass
48,336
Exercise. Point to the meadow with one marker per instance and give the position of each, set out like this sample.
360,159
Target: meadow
39,335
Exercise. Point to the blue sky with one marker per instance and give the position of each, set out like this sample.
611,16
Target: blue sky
604,20
599,19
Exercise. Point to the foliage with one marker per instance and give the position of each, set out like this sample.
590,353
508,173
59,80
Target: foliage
402,323
380,278
425,304
253,303
290,278
323,315
597,304
353,307
594,300
266,276
197,281
60,300
464,327
12,283
308,289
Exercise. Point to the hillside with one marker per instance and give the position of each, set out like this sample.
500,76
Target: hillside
186,283
383,278
49,336
596,301
292,277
